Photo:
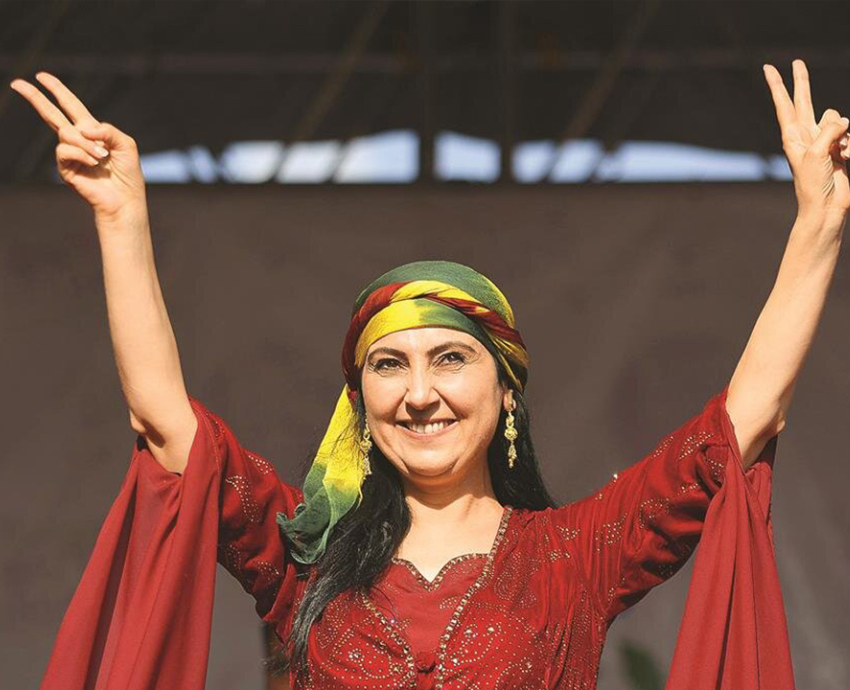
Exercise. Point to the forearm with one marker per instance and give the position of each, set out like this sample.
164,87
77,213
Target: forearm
143,340
763,383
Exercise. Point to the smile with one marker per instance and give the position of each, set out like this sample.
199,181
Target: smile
427,430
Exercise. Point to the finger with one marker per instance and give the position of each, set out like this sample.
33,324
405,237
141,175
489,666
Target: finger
69,134
830,134
803,94
111,136
843,141
73,106
829,115
786,113
844,146
42,104
68,152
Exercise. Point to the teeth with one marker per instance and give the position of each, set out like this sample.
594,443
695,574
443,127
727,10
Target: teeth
427,428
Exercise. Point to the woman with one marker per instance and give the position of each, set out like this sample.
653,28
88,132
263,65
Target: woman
424,550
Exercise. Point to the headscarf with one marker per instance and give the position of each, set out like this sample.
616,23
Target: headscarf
415,295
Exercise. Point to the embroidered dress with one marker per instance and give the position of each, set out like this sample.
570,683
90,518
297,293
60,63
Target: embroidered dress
530,614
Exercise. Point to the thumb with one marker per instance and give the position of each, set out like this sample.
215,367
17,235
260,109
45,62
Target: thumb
110,135
830,133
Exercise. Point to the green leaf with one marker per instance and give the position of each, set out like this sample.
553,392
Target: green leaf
641,670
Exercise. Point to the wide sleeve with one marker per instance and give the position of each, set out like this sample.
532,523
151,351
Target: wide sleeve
250,545
642,526
141,614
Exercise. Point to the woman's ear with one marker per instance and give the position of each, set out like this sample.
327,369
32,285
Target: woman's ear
508,401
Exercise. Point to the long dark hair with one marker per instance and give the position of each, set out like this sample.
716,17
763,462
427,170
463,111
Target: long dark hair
362,543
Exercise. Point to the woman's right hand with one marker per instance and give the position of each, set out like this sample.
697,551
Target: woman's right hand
113,185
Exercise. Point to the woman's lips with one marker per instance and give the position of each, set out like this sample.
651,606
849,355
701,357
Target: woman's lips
424,437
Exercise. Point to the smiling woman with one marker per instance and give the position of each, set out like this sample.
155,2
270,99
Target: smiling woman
418,554
433,410
434,529
424,550
396,364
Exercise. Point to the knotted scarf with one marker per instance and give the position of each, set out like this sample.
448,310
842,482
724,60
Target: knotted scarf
423,293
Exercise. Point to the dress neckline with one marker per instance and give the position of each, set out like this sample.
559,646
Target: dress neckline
391,625
432,584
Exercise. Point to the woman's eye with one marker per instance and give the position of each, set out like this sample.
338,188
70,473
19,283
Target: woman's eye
389,363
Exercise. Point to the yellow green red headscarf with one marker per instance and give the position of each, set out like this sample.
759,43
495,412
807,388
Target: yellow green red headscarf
423,293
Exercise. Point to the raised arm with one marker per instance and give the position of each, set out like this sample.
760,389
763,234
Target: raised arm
142,337
143,340
763,383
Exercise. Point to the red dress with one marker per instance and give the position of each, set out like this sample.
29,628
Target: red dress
532,613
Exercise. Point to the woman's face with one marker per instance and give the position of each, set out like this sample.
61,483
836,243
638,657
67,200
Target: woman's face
433,399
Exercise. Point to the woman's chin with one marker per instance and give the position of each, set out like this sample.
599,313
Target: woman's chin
427,469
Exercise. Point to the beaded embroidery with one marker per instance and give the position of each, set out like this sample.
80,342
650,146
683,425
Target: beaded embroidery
486,572
433,584
537,620
249,505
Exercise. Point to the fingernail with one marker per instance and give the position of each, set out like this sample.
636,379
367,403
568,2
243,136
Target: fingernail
100,151
844,121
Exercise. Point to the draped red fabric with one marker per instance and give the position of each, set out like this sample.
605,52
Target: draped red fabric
531,613
734,634
142,613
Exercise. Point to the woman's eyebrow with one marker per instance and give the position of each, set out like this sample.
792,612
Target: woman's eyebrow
433,351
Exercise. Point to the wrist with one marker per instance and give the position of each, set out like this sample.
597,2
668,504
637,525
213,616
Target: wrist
812,214
816,233
129,218
819,208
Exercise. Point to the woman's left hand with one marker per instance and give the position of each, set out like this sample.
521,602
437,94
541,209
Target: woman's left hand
816,151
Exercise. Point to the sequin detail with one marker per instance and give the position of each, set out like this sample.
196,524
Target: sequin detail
480,581
537,609
230,558
433,584
609,532
262,464
249,505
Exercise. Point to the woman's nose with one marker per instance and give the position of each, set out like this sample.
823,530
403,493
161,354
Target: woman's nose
420,388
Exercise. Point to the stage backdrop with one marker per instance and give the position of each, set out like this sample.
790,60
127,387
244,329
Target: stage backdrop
635,302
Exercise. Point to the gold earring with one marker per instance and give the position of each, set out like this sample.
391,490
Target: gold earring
511,434
366,446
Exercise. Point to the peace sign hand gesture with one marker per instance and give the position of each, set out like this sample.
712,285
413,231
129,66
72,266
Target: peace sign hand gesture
816,152
95,159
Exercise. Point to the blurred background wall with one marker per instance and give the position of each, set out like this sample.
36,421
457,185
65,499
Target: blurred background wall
615,167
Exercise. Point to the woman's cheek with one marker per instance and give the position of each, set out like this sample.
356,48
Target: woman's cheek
470,392
383,394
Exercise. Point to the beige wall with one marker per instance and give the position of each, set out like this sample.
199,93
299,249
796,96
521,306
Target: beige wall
635,302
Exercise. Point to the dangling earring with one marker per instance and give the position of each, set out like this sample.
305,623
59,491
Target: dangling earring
511,434
366,446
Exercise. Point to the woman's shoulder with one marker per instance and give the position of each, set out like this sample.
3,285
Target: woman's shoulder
555,519
550,535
